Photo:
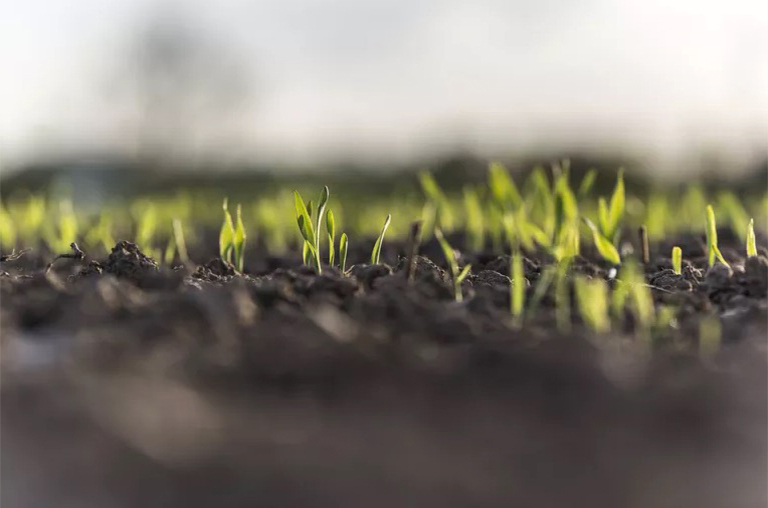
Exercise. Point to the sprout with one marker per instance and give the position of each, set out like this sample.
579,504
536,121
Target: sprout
441,208
587,183
238,241
610,216
376,252
592,301
517,287
677,260
603,245
181,244
343,248
309,249
330,228
712,248
503,188
450,257
226,235
751,242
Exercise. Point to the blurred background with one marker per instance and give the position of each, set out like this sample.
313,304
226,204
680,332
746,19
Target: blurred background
236,87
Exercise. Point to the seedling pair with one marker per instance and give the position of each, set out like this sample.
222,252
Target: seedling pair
231,238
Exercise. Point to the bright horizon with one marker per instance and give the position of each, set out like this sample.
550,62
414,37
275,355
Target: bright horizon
388,80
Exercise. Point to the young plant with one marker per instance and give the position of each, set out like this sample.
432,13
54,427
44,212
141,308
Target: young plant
330,228
343,248
457,275
376,252
181,244
503,189
677,260
310,233
712,249
474,224
226,235
592,301
604,246
587,183
610,215
751,242
440,206
517,287
238,240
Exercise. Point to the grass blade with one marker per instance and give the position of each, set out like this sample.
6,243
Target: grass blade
751,241
226,235
677,260
238,241
517,288
376,253
343,248
604,247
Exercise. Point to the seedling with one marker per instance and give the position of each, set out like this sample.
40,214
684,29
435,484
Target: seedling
238,241
677,260
60,238
587,183
603,245
517,287
310,233
474,225
343,248
181,244
712,248
751,242
592,301
376,252
330,228
457,275
441,207
226,235
503,188
610,215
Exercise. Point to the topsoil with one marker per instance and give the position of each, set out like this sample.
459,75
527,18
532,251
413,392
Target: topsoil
124,385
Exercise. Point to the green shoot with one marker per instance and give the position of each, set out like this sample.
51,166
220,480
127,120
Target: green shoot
677,260
181,244
442,211
310,249
7,229
450,257
503,188
517,287
226,235
713,251
343,248
587,183
603,245
751,242
60,238
330,228
376,252
324,196
238,240
474,226
610,215
592,301
562,296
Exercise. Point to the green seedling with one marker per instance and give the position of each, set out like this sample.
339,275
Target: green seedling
592,301
181,244
238,240
310,233
712,248
587,183
7,229
751,241
64,232
677,260
611,215
604,247
343,249
376,252
443,217
474,225
226,235
517,287
330,228
503,189
457,275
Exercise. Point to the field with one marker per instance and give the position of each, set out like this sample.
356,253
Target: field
552,339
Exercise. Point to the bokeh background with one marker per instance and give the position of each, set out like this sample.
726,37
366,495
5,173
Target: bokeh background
678,88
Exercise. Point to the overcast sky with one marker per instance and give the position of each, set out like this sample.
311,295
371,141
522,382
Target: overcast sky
388,78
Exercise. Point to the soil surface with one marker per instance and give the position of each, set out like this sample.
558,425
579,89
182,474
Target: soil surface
125,384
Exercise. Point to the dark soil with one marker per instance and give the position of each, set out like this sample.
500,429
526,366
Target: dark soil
125,384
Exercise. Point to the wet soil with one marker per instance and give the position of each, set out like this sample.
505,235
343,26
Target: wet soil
127,384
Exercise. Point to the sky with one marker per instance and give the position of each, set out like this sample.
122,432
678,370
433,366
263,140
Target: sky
304,80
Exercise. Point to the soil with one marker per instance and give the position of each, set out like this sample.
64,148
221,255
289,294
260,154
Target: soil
126,384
